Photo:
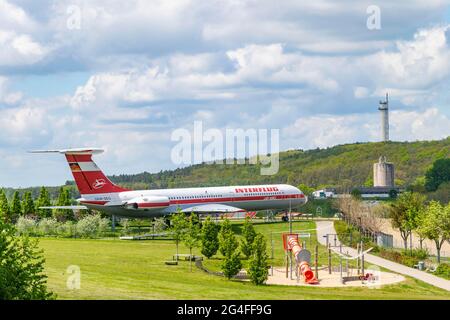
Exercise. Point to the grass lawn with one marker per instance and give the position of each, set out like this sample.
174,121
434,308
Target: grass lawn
118,269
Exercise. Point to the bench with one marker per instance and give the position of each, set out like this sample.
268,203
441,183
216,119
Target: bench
187,257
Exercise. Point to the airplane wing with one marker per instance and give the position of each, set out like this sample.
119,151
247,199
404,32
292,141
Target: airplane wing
66,207
213,208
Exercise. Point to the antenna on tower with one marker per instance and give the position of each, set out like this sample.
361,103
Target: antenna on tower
384,109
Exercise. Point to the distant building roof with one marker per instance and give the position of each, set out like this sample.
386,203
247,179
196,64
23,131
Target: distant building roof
326,190
369,190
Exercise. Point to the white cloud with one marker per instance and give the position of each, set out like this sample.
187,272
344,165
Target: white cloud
198,77
407,72
21,125
20,49
414,64
361,92
14,16
430,124
327,130
6,95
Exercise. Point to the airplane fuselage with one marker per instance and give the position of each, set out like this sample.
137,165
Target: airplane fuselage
166,201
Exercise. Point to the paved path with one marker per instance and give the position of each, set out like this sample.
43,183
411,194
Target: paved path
327,227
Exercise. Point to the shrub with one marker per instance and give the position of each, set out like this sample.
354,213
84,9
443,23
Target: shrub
21,267
125,227
47,227
91,226
26,226
391,255
406,257
418,253
409,261
443,270
66,229
159,225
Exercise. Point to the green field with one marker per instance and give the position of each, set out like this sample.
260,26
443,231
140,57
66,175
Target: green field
117,269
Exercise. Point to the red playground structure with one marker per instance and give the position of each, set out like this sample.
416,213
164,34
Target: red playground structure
302,257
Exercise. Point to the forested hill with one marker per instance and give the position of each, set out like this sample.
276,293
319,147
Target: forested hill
343,167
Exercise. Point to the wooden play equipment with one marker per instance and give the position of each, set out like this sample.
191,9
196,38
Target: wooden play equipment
301,256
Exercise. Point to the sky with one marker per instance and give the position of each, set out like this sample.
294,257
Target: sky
124,75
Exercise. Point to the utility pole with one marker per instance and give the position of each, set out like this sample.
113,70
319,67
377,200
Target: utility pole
316,261
329,259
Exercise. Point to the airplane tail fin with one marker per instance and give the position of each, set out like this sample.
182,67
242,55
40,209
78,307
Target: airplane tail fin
88,176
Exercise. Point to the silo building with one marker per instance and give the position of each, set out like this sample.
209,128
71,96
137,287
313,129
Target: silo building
383,173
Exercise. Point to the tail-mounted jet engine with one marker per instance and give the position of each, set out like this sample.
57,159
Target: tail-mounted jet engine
148,203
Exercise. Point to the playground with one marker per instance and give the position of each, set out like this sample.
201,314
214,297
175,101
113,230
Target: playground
302,266
118,269
333,280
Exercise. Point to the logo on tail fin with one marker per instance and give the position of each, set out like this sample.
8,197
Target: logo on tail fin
98,184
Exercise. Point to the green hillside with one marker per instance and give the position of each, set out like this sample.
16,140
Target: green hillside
342,166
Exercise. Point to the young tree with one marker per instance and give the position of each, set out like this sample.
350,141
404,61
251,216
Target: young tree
228,245
436,225
225,234
21,267
28,204
63,200
420,220
43,201
231,265
258,271
16,207
403,213
191,237
249,234
209,238
178,224
4,206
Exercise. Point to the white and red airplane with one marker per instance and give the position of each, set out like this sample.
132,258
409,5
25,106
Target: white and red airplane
99,193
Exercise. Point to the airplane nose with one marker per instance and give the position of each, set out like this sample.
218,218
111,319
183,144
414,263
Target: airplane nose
303,199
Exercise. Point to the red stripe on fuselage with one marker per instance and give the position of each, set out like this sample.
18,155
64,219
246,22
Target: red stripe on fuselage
209,200
153,205
101,203
237,199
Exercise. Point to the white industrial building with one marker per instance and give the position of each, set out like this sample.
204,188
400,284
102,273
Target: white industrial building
324,193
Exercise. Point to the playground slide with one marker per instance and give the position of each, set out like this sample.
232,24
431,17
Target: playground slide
302,258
